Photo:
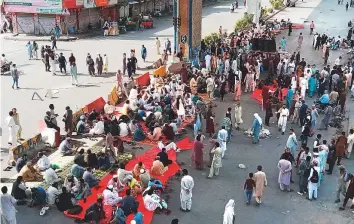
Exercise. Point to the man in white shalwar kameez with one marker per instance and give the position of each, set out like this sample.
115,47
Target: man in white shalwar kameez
238,115
187,184
7,207
304,87
350,142
13,129
208,62
110,197
229,212
283,118
168,147
222,138
133,95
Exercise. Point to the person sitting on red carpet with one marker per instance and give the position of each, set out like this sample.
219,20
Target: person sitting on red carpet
134,186
158,168
128,204
95,212
117,186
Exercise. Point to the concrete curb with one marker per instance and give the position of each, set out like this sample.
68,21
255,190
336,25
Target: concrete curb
38,39
280,10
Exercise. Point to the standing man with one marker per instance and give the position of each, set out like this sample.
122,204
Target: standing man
187,184
314,116
57,31
350,190
54,42
290,27
350,143
283,44
341,184
72,59
312,26
105,64
13,129
99,64
313,181
124,63
268,111
302,113
62,63
299,41
68,120
283,118
17,122
261,182
143,52
158,45
90,65
168,46
284,166
341,146
222,138
15,76
292,142
7,207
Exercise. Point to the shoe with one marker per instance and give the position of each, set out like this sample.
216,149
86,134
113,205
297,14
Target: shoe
247,203
282,133
42,212
291,190
308,199
299,193
182,210
337,201
352,207
341,208
178,150
291,181
314,199
188,210
46,208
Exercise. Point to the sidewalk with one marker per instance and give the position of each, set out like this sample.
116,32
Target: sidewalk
97,32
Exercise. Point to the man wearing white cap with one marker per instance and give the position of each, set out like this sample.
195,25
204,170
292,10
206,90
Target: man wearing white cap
109,197
313,180
117,187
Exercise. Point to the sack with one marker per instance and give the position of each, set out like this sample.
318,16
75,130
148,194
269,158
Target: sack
77,209
261,68
314,178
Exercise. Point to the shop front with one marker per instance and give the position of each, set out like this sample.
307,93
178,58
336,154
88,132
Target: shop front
34,16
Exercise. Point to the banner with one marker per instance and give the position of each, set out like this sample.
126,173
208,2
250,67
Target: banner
28,147
72,4
34,6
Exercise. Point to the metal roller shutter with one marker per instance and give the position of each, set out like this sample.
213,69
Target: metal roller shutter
25,23
46,24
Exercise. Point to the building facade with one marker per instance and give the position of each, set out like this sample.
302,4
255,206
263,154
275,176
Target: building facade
40,16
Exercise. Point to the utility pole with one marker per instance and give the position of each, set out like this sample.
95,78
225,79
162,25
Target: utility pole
176,24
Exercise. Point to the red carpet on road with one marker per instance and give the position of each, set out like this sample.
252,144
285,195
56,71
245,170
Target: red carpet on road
147,159
129,138
257,93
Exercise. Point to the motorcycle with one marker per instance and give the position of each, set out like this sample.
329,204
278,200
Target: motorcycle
6,68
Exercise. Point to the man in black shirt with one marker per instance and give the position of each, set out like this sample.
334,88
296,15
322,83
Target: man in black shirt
303,63
164,157
62,63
